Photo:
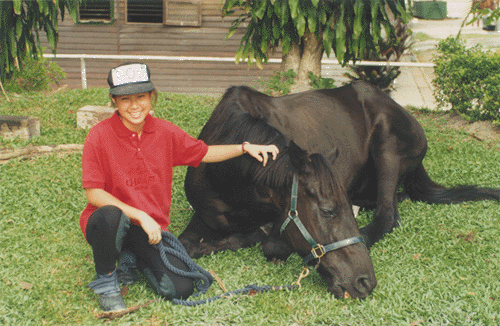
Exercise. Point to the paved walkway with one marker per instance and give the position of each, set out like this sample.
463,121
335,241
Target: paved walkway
414,85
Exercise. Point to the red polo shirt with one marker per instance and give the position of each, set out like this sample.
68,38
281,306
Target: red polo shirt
137,172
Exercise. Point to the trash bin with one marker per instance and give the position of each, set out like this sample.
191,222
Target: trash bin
430,9
492,27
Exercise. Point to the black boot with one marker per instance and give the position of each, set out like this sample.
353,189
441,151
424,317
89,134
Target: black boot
127,268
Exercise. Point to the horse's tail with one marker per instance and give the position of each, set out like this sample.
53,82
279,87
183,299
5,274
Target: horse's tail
419,186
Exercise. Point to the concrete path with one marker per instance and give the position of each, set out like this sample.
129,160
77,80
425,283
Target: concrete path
414,85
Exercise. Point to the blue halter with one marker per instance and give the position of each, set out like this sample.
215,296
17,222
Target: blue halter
317,250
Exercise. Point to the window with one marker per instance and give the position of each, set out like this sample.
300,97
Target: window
182,13
168,12
95,11
145,11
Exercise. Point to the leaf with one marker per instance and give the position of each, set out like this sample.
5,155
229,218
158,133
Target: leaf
284,13
228,5
246,51
263,46
54,15
311,21
231,32
375,25
261,11
357,27
17,6
43,7
13,43
323,16
277,8
270,10
259,64
285,44
124,291
362,45
276,31
294,8
235,24
405,15
340,35
72,6
300,23
266,28
19,27
26,286
328,35
51,35
238,55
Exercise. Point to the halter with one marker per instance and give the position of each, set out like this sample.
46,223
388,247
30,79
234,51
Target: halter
317,250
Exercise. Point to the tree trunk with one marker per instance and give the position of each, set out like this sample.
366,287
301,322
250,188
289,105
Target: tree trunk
303,58
311,56
291,60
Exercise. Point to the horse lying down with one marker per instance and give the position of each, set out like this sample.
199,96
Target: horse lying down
350,145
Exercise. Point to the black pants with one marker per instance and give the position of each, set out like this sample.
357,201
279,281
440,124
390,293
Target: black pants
109,232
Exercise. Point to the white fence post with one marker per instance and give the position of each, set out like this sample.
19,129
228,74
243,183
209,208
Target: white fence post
84,73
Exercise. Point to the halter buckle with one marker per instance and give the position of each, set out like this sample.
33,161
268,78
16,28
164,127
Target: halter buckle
316,254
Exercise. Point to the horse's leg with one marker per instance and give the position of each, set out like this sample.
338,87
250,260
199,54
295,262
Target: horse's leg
386,216
201,239
197,237
273,247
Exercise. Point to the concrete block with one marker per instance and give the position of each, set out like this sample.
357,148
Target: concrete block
25,128
89,115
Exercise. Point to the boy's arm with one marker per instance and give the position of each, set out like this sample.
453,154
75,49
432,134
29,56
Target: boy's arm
219,153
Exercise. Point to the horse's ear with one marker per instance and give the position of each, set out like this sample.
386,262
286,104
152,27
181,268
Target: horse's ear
299,157
332,156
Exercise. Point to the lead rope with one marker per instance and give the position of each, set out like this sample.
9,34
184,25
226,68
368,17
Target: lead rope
171,245
203,279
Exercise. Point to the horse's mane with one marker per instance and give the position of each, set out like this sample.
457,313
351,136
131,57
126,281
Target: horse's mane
242,115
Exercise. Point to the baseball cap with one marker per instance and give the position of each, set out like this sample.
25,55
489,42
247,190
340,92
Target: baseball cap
129,78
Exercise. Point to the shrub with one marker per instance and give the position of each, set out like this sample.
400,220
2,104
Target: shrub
35,76
320,82
468,79
389,49
280,82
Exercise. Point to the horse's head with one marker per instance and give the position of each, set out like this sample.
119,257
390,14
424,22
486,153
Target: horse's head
322,227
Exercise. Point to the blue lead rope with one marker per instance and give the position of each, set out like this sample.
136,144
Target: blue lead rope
171,245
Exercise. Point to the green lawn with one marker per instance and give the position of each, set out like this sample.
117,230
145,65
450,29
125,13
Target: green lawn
439,268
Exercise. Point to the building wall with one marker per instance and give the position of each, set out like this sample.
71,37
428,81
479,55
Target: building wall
458,8
188,76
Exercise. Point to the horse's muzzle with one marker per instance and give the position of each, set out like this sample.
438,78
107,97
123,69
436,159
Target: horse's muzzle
360,288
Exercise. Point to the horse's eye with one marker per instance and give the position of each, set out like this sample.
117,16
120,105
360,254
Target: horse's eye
328,212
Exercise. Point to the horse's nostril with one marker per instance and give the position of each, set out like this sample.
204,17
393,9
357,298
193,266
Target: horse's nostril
363,285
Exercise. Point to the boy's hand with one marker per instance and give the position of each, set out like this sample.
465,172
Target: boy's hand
261,152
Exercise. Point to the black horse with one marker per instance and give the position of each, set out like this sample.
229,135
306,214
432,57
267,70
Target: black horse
350,145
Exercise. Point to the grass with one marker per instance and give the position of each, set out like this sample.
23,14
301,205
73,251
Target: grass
422,37
439,268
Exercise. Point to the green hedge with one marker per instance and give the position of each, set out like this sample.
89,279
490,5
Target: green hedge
468,79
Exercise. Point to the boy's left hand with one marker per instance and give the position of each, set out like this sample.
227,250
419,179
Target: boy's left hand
261,152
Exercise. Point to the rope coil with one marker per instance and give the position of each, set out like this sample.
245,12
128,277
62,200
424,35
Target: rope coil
203,279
